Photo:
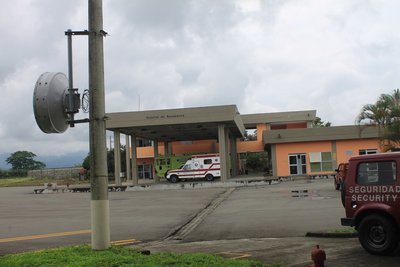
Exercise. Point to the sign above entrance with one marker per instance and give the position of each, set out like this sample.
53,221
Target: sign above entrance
152,117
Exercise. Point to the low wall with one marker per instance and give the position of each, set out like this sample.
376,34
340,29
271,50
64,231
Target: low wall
56,173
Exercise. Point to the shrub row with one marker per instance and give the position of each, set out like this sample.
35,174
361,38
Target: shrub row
13,173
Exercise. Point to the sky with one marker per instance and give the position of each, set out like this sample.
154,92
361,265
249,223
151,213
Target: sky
333,56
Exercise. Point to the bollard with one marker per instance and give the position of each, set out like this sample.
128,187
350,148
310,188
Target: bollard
318,256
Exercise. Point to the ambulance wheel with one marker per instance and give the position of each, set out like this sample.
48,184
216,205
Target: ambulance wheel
209,177
174,178
378,235
166,172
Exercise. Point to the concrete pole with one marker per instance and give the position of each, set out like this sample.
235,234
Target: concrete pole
228,162
128,158
222,152
170,152
334,155
117,158
155,177
167,148
234,158
100,209
135,179
274,163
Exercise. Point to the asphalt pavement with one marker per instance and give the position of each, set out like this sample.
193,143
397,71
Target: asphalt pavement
250,219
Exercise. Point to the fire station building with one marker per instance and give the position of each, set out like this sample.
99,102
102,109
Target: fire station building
286,141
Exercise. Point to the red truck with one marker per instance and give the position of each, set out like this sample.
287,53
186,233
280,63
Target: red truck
371,197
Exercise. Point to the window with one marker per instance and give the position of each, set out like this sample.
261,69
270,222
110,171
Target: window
376,173
249,135
186,142
297,164
140,142
321,161
145,171
207,161
163,162
188,167
367,151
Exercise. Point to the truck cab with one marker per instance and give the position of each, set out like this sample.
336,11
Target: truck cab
165,163
340,175
371,197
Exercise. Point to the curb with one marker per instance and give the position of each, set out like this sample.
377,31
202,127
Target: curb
331,235
195,185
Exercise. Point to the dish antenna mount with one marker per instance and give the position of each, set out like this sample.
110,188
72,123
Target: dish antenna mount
55,100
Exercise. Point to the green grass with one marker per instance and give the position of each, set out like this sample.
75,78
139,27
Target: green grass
19,181
116,257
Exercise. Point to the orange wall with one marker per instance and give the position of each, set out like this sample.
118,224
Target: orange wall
283,151
147,152
344,148
205,146
252,146
288,126
297,125
148,161
179,148
197,147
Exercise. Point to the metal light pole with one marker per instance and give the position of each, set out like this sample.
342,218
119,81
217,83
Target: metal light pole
100,210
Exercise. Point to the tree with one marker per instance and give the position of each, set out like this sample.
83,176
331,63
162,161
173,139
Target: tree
249,135
24,160
385,114
110,161
318,122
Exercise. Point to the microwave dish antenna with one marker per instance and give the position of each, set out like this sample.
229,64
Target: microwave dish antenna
48,102
55,100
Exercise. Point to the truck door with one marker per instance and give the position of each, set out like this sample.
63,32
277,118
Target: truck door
198,166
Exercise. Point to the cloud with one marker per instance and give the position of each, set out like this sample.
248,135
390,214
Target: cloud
264,56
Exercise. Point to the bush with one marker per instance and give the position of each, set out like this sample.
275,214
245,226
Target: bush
256,161
13,173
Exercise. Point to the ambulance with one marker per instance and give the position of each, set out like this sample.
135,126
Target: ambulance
165,163
197,167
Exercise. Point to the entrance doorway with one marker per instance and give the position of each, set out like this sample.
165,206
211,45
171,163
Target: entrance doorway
145,171
297,164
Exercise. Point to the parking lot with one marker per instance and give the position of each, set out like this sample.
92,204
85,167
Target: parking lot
258,222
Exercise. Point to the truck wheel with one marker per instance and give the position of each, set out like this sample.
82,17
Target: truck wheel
337,185
378,235
209,177
174,178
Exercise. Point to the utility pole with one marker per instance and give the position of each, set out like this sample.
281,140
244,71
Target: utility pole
100,209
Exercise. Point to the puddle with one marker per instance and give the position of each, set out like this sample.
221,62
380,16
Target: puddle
305,193
300,193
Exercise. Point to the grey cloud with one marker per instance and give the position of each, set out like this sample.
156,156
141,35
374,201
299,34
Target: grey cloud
331,56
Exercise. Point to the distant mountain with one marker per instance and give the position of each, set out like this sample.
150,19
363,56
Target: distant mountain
55,161
67,160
